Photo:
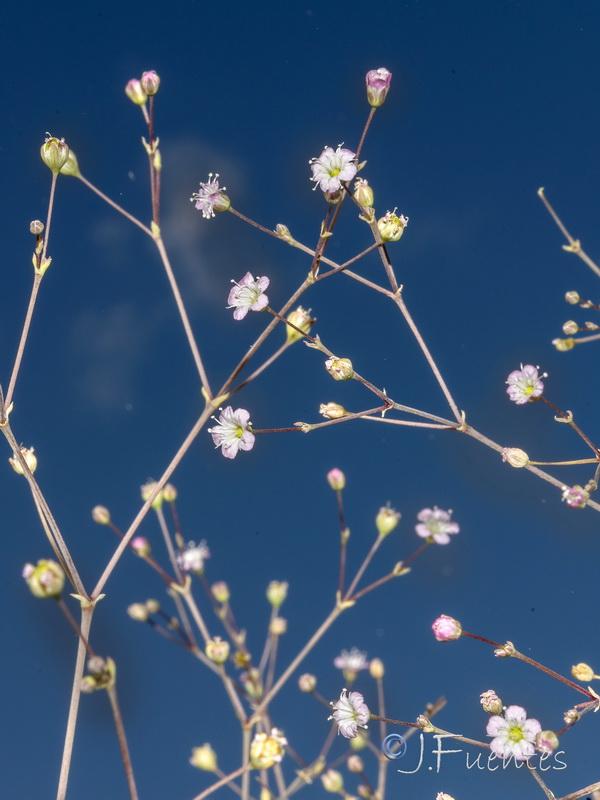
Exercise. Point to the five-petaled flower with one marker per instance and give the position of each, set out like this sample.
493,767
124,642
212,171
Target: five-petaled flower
232,432
514,734
248,294
332,168
210,197
525,384
350,712
193,557
436,523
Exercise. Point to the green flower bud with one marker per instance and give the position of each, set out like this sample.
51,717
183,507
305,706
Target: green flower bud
55,153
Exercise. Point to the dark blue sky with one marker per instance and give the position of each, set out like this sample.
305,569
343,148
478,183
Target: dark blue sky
489,102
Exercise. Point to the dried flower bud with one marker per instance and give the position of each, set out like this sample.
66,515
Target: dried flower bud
141,546
71,167
546,742
217,650
355,764
575,496
582,672
278,626
386,520
101,515
446,629
30,460
332,781
572,298
301,319
36,227
340,369
363,194
391,227
54,153
334,197
562,345
515,457
332,411
204,758
378,85
266,751
336,479
376,669
277,593
491,703
150,82
505,651
307,683
138,612
46,579
284,233
425,723
220,592
135,93
571,716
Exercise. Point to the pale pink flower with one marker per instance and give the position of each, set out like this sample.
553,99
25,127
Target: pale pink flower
525,384
436,523
248,294
193,557
378,84
355,660
350,712
210,196
575,496
446,629
332,168
232,432
514,734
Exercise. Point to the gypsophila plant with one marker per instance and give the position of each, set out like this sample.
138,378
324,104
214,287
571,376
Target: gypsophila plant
197,611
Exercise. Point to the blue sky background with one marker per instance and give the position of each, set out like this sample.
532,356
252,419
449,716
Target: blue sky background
489,102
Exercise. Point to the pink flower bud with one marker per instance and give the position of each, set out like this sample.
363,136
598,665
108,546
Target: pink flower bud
378,84
446,629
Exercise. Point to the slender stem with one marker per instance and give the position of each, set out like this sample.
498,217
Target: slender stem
574,244
114,704
73,623
223,782
168,543
594,787
37,279
374,548
262,368
116,206
183,315
568,418
365,130
86,621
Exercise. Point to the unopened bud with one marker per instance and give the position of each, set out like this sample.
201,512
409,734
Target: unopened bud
491,703
386,520
277,593
340,369
572,716
505,651
135,93
336,479
363,194
360,741
300,319
307,683
582,672
141,546
378,84
284,233
278,626
146,491
101,515
376,669
355,764
138,612
446,629
391,226
153,606
572,298
220,592
88,685
55,153
570,328
204,758
515,457
332,781
150,82
71,167
169,493
46,579
30,460
36,227
266,751
562,345
217,650
546,742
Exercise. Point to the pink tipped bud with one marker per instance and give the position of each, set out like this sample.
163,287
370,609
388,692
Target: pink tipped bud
150,82
135,93
141,546
46,579
378,85
363,194
546,742
391,226
337,479
491,703
446,629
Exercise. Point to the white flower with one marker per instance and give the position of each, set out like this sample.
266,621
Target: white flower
233,432
332,168
248,294
350,712
525,384
514,734
436,523
193,557
355,660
